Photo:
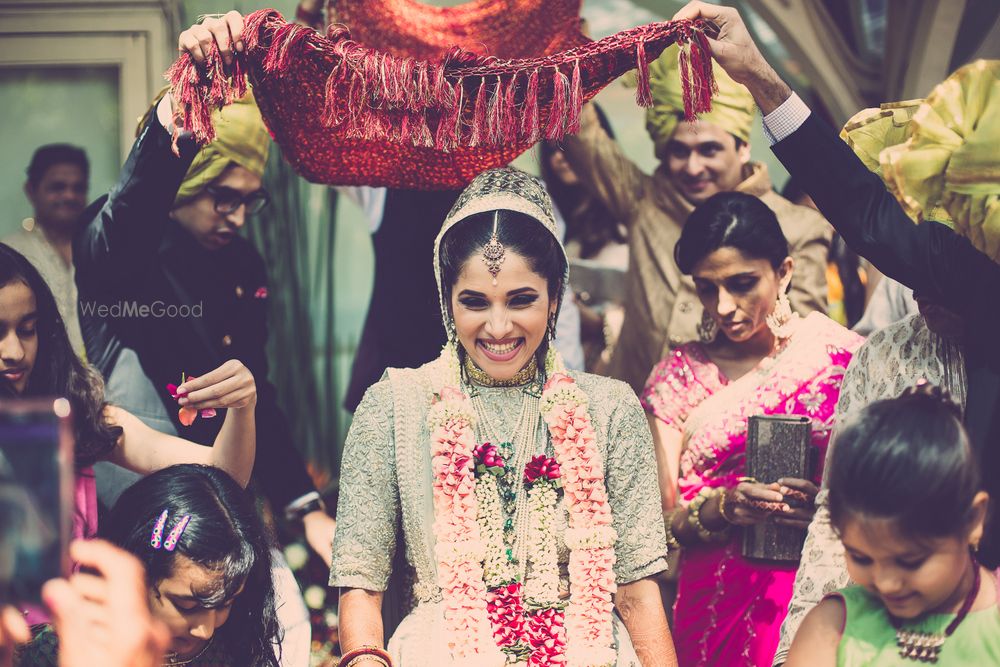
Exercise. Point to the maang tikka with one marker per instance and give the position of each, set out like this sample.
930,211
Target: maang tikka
493,252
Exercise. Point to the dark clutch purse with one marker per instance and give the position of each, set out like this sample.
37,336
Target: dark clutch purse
777,446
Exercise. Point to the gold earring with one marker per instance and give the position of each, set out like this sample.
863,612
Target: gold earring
780,319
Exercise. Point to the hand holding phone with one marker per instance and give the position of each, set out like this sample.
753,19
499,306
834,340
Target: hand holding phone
36,495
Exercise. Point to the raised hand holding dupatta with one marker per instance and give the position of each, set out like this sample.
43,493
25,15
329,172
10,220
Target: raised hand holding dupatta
226,32
736,52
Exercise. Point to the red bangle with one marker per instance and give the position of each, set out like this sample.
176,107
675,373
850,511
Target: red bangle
309,18
364,650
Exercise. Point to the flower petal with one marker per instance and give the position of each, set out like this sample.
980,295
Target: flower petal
187,416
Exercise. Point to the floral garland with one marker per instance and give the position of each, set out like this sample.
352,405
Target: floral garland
590,536
486,608
459,548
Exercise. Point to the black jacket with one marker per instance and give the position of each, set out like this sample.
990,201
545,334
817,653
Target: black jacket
131,253
403,327
929,258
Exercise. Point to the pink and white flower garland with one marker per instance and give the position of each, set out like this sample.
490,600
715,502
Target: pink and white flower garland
546,623
527,618
458,548
590,536
474,570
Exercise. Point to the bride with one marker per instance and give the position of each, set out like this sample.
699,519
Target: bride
525,495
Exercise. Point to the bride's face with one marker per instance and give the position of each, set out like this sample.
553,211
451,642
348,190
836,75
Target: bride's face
500,326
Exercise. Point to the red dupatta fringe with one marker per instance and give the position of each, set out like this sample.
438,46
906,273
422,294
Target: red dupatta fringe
531,129
643,95
199,90
461,100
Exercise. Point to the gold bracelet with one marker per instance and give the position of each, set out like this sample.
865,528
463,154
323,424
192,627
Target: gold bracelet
722,508
672,543
362,658
694,517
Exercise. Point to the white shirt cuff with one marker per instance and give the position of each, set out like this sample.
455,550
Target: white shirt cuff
784,120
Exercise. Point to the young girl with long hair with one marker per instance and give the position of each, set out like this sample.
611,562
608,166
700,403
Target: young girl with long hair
907,502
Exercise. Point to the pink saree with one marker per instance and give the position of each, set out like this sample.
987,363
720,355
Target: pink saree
729,610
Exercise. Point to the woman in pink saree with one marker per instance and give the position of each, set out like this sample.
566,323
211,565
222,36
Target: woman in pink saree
755,357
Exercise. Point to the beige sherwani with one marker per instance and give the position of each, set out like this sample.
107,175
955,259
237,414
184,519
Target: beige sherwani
662,309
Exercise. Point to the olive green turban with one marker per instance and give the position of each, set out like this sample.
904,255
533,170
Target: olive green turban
732,107
939,156
240,137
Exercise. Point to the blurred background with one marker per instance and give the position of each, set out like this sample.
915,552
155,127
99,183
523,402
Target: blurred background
83,72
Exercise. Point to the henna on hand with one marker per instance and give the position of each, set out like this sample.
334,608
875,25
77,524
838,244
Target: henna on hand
640,607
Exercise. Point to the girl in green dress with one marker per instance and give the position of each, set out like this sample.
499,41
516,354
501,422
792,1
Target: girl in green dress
907,503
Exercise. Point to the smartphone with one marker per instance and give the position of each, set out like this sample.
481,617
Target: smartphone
36,495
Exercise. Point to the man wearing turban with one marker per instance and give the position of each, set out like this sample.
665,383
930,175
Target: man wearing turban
697,160
183,292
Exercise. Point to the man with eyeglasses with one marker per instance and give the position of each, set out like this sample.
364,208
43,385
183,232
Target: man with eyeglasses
186,292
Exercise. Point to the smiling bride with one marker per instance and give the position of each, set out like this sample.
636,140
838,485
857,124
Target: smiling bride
525,495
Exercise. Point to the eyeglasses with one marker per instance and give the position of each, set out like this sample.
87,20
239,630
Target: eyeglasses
228,200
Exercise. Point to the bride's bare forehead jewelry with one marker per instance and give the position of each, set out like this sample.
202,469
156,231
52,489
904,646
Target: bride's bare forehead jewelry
493,252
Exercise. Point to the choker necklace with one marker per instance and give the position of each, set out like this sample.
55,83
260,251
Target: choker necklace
484,379
171,659
926,646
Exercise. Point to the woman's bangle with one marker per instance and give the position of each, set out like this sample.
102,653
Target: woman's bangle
722,507
367,658
672,543
366,652
694,517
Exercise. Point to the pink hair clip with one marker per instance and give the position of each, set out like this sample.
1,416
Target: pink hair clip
175,533
157,535
170,543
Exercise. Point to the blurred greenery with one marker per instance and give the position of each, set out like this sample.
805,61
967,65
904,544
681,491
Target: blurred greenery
44,105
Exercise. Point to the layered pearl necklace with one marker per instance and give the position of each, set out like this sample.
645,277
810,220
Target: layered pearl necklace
517,450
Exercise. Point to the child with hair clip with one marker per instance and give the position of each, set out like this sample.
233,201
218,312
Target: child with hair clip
907,502
208,569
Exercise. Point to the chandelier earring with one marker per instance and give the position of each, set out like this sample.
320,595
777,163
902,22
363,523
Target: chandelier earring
781,320
451,331
707,328
550,328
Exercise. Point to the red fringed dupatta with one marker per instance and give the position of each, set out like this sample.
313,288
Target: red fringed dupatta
345,114
501,28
